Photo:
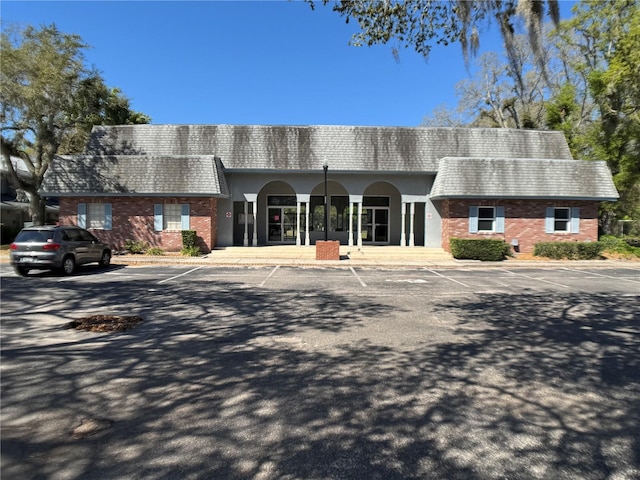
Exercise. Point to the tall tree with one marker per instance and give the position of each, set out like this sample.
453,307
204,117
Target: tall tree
49,100
607,37
418,24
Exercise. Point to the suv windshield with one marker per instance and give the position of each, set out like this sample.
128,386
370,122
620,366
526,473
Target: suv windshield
34,236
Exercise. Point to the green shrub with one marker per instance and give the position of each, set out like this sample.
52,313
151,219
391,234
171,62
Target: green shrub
627,246
135,246
569,250
190,251
487,250
189,239
156,251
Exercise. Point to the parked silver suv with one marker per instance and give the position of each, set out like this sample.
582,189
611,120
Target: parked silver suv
56,248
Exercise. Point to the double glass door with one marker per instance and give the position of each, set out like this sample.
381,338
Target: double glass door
375,225
282,224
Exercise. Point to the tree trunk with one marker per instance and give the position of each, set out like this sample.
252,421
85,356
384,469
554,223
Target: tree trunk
37,208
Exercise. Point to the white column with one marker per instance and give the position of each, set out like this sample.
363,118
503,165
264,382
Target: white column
359,224
297,224
411,221
403,235
245,240
426,220
255,224
351,224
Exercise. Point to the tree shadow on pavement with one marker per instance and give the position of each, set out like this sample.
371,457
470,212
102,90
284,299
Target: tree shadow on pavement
229,382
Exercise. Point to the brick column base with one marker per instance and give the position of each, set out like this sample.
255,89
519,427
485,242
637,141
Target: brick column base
329,250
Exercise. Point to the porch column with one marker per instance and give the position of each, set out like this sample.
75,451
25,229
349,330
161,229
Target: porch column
403,235
245,239
303,198
297,224
427,216
411,222
350,223
360,224
251,198
254,240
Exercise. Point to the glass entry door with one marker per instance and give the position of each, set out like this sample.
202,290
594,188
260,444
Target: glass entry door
282,224
375,225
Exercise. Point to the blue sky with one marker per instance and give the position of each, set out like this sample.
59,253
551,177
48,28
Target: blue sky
251,62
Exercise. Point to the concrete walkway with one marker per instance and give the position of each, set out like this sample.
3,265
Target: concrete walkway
371,256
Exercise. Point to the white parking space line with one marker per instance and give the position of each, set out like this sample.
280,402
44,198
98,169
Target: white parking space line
448,278
358,277
535,278
269,276
181,275
602,275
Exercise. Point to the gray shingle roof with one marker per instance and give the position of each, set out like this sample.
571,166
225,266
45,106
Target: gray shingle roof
523,178
135,175
345,148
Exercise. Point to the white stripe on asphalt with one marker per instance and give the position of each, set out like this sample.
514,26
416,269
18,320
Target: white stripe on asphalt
534,278
448,278
602,275
181,275
269,276
358,277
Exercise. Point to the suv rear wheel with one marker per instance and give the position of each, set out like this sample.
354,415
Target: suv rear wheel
68,265
22,271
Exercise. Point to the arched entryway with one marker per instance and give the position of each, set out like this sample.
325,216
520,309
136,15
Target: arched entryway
380,223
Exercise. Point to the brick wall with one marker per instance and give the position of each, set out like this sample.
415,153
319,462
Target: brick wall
328,250
524,221
132,219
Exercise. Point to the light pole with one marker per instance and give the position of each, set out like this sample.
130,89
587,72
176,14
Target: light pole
325,166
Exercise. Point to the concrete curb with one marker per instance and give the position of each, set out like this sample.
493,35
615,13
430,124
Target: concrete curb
211,260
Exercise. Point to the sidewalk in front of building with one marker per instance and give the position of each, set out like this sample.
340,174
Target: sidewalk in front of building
369,256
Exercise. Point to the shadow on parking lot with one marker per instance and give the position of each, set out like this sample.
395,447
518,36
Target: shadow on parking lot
228,382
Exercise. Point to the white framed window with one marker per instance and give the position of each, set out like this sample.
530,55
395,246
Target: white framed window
483,219
486,219
96,216
171,217
562,220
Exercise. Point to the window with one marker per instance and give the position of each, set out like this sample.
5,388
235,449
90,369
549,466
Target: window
562,220
486,219
171,216
94,215
338,213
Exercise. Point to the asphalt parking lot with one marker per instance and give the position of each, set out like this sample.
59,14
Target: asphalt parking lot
281,372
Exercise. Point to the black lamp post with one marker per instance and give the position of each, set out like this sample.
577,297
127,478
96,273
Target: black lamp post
325,166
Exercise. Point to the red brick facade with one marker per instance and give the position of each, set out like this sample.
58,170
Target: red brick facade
524,221
132,219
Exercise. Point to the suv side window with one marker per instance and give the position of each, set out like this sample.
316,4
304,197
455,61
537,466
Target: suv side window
86,236
74,235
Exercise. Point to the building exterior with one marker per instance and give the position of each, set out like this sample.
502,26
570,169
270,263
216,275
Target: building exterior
258,185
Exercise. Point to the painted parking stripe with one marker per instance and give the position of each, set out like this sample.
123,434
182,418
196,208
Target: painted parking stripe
535,278
603,275
358,277
181,275
269,276
448,278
